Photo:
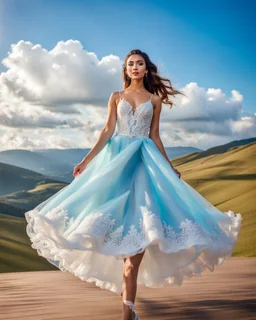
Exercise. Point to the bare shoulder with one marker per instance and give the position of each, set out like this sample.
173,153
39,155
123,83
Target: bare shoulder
156,101
156,98
114,97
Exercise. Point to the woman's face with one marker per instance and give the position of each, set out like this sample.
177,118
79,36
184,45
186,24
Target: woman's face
136,67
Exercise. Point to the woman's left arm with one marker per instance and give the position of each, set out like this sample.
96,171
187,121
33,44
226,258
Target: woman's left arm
154,129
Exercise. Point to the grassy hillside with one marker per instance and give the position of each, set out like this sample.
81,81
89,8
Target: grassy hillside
16,203
214,150
15,247
16,179
228,181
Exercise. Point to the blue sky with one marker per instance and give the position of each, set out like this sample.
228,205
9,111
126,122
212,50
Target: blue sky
206,48
209,42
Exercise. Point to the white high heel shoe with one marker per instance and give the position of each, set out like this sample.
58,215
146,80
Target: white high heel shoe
132,306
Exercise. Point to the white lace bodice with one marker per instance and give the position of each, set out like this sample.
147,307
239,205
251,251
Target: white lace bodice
134,122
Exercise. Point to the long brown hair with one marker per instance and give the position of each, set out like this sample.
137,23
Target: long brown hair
153,82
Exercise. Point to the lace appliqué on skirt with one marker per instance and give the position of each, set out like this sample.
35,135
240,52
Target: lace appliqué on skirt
97,232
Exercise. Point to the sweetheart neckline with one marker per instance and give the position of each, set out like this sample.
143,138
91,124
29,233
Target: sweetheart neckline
136,107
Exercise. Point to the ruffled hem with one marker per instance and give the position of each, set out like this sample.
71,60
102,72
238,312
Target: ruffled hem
94,251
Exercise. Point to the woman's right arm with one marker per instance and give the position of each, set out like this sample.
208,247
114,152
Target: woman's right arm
105,134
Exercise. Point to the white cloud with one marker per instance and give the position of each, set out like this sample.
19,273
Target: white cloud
48,88
200,104
62,95
64,75
24,115
246,126
44,138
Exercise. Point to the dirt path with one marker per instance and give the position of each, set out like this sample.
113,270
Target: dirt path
227,293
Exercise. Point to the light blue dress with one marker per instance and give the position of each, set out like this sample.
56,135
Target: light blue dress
127,200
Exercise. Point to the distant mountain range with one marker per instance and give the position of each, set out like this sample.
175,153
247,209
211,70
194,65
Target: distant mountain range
21,189
48,166
13,179
59,164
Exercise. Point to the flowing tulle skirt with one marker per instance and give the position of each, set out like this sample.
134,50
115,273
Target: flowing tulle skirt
128,200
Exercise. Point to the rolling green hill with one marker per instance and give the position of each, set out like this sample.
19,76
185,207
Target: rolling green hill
228,181
15,247
17,202
15,179
214,150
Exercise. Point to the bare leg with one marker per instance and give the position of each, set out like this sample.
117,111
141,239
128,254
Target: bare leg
130,274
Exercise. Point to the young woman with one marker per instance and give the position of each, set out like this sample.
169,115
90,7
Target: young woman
128,217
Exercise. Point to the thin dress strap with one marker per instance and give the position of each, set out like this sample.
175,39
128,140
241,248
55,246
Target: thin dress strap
120,95
151,96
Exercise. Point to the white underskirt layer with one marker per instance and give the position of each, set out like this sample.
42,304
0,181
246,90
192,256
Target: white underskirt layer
169,258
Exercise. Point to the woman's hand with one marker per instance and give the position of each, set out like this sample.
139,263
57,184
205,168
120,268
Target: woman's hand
177,171
79,168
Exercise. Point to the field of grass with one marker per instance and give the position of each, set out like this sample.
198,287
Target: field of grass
228,181
15,247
